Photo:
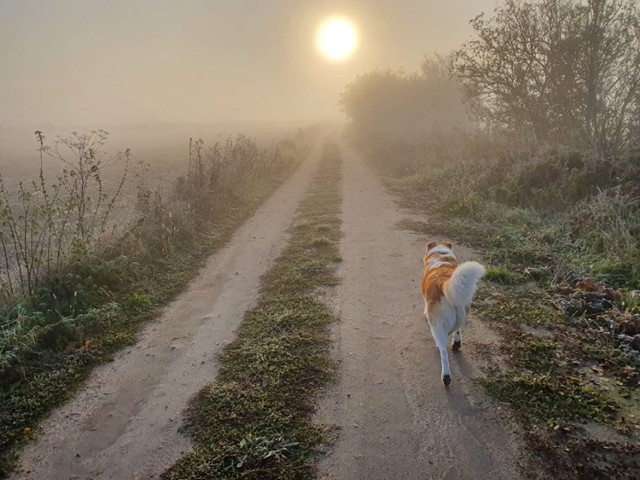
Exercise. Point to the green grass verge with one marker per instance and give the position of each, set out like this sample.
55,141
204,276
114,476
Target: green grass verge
255,421
98,307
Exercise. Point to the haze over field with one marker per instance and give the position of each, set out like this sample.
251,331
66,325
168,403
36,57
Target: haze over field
99,64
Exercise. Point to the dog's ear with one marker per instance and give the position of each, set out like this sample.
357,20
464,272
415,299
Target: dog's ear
449,245
430,245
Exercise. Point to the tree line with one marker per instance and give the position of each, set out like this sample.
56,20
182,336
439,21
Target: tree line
560,71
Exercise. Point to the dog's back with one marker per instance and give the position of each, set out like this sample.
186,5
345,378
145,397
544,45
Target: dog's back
439,265
445,280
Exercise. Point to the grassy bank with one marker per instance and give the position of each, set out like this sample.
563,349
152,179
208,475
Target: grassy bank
255,420
559,234
98,299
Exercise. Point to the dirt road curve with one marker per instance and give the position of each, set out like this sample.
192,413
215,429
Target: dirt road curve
396,419
124,422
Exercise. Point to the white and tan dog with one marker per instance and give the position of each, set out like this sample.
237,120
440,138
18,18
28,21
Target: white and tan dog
447,289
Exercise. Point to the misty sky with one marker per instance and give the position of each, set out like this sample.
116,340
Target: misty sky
110,62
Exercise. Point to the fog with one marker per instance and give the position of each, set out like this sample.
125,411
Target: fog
163,145
157,72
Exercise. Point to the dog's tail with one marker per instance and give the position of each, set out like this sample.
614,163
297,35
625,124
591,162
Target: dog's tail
461,286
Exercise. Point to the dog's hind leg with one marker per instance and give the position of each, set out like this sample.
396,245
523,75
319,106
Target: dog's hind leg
440,336
461,318
457,340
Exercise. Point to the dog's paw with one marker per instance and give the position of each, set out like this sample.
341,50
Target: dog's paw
456,345
446,379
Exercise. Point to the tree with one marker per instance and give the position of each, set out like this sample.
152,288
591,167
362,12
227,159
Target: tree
404,103
610,69
566,71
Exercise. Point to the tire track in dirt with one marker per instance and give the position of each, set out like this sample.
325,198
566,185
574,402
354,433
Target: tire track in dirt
123,423
396,420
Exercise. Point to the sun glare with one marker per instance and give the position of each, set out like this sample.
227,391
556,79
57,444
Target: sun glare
337,39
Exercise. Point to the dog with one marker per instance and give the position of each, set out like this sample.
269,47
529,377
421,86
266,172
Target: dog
448,289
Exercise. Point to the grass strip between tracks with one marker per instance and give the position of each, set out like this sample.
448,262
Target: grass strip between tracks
255,421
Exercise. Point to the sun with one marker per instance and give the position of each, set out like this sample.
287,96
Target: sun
337,39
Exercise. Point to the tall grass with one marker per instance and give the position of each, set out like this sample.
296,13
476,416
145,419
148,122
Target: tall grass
562,209
43,223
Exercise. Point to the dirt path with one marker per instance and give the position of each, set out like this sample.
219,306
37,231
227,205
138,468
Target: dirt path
396,419
124,422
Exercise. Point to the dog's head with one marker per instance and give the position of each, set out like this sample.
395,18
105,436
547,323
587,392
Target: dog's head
432,245
439,248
